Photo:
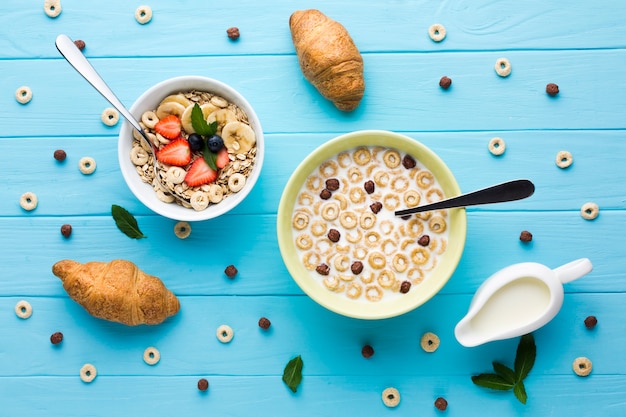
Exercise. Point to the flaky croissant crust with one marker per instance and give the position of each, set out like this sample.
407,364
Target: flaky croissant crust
328,57
117,291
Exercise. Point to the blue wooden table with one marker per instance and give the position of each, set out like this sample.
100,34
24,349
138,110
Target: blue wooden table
579,45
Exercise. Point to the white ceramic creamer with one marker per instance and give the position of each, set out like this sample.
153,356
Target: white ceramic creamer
517,300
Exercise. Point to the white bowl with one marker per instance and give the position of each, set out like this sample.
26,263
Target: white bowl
149,100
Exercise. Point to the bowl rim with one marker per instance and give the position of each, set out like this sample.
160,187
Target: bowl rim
338,303
148,100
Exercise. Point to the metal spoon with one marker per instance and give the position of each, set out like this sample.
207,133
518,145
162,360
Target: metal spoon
500,193
77,60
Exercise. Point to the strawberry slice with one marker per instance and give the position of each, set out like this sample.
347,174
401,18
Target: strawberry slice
222,158
200,173
168,127
176,153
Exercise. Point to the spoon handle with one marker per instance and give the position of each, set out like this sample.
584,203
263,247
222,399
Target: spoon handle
507,191
75,57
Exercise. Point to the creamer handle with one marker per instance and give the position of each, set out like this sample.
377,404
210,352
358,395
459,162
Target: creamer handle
573,270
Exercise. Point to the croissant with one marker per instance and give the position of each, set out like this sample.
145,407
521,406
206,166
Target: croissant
117,291
328,58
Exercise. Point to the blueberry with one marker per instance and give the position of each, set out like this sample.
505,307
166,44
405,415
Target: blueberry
215,143
196,143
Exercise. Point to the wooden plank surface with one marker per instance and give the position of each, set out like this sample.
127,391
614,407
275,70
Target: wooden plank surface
580,45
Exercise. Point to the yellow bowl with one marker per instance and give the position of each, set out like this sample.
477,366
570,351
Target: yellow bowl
340,303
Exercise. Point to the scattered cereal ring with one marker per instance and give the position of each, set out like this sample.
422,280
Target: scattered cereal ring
23,309
52,8
236,182
143,14
199,200
589,211
110,116
437,32
503,67
497,146
392,158
391,397
564,159
23,94
87,165
88,372
224,333
429,342
28,201
150,119
582,366
151,356
182,230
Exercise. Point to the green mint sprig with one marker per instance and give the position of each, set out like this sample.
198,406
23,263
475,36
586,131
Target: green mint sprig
505,378
126,222
206,130
292,375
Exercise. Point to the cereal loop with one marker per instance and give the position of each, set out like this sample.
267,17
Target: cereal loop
23,94
424,179
419,256
138,156
503,67
391,202
151,356
305,199
367,220
216,193
52,8
328,169
400,262
412,198
354,290
386,278
23,309
341,263
373,293
399,184
149,119
330,211
300,220
236,182
414,228
381,178
314,183
564,159
143,14
318,228
429,342
377,260
354,236
437,224
362,156
589,211
110,116
372,239
357,195
582,366
497,146
437,32
344,159
311,260
355,175
304,241
88,372
182,230
392,159
87,165
391,397
415,275
348,219
434,194
224,333
28,201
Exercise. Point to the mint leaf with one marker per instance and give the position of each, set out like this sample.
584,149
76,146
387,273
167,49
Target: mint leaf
492,381
210,158
126,222
292,376
199,123
505,372
520,392
525,357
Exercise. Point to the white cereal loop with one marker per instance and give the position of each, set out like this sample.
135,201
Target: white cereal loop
87,165
52,7
88,372
199,200
429,342
236,182
582,366
23,94
224,333
589,211
138,155
150,119
162,196
175,175
143,14
216,193
391,397
564,159
28,201
437,32
182,230
23,309
151,356
497,146
503,67
110,116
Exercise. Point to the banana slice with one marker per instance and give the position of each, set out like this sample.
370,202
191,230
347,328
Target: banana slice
176,98
238,137
171,107
185,119
222,117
